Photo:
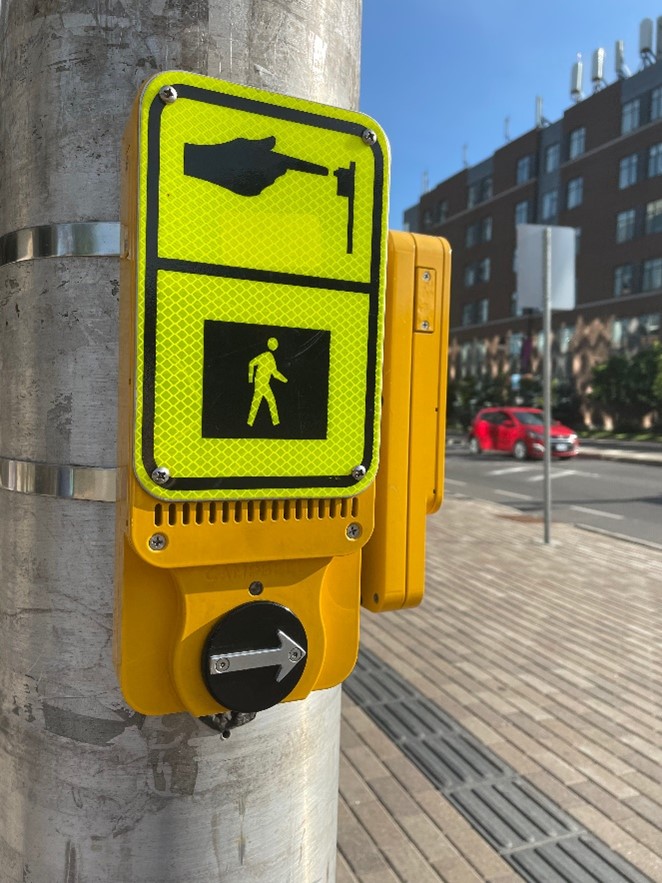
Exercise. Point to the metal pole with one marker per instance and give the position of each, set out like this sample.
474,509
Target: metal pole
546,378
90,791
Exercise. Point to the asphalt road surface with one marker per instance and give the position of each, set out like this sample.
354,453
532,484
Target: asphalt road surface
607,495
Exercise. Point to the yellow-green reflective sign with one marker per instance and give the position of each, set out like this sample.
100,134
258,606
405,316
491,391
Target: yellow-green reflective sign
261,244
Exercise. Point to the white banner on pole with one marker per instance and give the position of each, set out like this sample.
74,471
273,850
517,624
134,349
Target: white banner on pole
530,266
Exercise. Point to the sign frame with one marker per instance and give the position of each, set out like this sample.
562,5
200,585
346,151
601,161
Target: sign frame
195,487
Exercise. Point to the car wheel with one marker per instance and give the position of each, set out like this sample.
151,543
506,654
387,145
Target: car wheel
474,447
519,450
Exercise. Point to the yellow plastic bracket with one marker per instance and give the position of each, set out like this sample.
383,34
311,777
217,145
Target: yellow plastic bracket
410,481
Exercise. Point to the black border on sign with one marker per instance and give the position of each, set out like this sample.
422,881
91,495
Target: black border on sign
153,263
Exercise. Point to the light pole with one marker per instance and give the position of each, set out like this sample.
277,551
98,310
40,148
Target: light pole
91,791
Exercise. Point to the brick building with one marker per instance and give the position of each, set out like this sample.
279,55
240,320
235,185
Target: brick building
597,169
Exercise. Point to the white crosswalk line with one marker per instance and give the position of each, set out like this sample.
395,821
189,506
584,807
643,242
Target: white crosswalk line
554,475
455,481
598,512
514,495
509,469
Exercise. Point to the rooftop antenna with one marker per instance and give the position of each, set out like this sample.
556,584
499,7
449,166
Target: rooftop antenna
506,128
425,182
646,42
465,159
541,121
576,77
598,70
622,70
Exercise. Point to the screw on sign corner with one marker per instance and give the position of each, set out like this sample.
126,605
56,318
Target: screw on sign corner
369,137
161,475
168,94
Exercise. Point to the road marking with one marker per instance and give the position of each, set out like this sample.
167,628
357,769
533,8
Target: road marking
510,469
598,512
554,475
455,481
513,495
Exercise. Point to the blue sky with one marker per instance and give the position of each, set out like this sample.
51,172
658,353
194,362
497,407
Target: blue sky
438,74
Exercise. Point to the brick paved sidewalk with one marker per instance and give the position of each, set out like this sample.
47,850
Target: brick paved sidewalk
550,656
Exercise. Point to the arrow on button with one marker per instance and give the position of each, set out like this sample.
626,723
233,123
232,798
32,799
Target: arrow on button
287,655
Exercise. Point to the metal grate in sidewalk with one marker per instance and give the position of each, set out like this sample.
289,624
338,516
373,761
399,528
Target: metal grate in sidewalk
535,836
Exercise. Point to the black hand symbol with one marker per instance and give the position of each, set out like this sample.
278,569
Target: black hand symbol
243,166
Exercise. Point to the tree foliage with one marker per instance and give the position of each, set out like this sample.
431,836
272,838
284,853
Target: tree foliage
627,388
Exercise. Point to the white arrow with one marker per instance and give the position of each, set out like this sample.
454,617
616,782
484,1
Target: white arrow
287,655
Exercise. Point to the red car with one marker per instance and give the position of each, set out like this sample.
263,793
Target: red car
519,431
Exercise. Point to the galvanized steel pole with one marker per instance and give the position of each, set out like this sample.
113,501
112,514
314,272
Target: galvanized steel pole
547,378
90,791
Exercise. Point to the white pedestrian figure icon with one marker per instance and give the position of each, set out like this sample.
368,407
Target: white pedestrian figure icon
260,371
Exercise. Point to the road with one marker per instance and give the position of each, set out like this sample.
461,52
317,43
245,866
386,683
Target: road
621,498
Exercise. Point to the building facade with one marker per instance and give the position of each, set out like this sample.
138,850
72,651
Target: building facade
599,170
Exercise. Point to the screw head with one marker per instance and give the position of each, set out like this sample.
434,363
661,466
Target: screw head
425,324
369,137
256,587
157,542
161,475
168,94
358,472
222,665
426,276
294,655
354,531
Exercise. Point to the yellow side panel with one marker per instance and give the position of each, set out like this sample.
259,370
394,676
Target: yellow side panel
410,480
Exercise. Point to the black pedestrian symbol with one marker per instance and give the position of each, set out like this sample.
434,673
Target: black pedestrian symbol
260,371
265,381
247,167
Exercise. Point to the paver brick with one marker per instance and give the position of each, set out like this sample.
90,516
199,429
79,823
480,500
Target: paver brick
553,663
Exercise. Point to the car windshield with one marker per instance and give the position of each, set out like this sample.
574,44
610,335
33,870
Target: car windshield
529,418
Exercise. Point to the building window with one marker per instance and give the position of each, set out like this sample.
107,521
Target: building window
654,160
486,230
575,192
623,279
630,116
484,268
578,240
524,169
654,216
627,171
549,204
442,210
552,157
522,212
625,225
469,314
652,277
469,275
482,309
576,142
471,236
656,103
479,191
427,218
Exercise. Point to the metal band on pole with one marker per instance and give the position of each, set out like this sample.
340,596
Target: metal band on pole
64,482
80,239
